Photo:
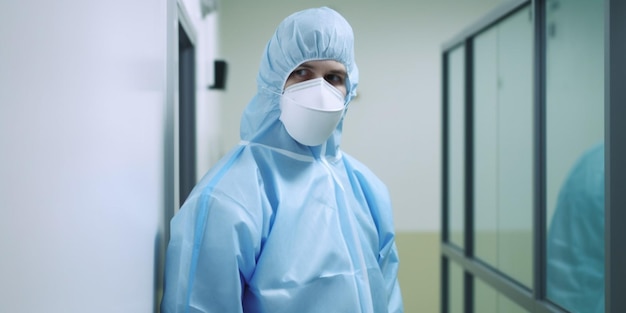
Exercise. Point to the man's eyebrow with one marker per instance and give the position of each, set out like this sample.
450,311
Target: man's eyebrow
305,66
342,72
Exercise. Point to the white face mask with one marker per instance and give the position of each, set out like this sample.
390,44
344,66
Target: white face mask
311,110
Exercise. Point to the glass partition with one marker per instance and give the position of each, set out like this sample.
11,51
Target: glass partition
534,107
503,146
575,154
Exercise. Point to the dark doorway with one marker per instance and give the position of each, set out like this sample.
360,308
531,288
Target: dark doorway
186,113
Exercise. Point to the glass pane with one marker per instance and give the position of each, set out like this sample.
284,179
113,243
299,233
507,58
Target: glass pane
485,298
575,154
456,145
503,146
488,300
455,288
486,146
515,146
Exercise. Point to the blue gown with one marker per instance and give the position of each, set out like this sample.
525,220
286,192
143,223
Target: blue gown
277,226
575,247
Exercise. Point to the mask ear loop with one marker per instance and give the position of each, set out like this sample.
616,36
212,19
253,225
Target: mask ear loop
280,95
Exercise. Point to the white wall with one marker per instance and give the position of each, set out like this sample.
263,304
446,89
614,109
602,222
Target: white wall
394,125
84,125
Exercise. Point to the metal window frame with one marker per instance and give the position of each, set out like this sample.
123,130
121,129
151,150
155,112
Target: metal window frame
539,205
615,178
615,153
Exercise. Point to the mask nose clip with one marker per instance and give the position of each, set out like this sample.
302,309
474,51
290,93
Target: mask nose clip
325,94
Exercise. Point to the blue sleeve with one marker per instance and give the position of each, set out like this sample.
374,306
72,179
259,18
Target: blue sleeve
389,263
210,255
388,254
379,201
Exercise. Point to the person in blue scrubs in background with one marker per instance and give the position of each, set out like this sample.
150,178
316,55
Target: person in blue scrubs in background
287,221
575,248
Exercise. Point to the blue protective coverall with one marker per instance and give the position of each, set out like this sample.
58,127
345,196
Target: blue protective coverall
277,226
575,247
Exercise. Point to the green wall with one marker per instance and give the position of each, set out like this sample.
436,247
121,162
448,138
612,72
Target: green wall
419,273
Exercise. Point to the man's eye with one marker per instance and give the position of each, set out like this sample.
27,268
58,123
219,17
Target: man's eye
334,79
301,72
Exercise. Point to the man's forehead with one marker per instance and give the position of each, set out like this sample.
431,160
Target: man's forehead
330,65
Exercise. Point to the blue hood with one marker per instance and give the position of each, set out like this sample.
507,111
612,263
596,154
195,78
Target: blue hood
299,38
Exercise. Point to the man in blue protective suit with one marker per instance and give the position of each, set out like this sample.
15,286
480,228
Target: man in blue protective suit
286,221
